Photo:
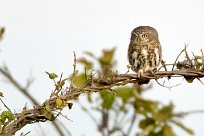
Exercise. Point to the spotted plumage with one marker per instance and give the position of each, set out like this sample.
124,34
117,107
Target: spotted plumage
144,52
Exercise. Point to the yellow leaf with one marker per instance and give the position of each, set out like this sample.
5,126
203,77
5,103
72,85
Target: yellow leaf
59,102
167,131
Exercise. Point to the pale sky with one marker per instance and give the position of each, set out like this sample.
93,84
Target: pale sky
41,35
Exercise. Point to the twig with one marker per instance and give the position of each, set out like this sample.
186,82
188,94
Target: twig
164,65
25,134
6,106
88,113
74,70
187,56
177,58
169,87
131,124
5,72
189,112
30,80
64,128
73,73
200,80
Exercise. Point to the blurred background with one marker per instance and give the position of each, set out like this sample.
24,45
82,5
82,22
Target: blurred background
42,35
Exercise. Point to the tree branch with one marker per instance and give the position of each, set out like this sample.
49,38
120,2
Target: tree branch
36,114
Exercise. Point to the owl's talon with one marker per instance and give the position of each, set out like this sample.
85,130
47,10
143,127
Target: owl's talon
140,73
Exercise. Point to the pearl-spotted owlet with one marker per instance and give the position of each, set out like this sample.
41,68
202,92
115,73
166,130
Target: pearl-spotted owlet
144,52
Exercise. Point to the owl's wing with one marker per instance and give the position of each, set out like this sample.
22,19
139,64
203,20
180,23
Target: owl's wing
155,50
132,48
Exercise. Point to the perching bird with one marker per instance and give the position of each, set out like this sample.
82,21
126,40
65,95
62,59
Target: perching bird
144,52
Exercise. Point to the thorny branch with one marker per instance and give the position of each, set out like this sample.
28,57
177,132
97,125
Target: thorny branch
35,115
41,113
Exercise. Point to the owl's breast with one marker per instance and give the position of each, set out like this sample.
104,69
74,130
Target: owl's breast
144,57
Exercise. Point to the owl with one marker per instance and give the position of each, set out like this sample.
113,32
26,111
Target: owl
144,52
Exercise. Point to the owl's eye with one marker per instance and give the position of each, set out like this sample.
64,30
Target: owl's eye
144,35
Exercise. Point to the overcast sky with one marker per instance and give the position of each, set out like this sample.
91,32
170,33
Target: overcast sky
41,35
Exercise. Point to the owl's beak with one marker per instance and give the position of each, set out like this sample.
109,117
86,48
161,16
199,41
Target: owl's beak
140,38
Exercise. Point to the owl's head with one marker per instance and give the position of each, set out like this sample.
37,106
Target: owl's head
143,34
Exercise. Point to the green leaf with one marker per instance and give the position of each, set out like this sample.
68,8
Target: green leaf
79,81
76,72
85,62
47,106
145,106
107,57
198,57
89,54
164,113
6,117
89,97
167,131
60,84
70,105
47,114
51,75
189,79
2,30
182,126
146,122
125,93
179,65
108,98
1,94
